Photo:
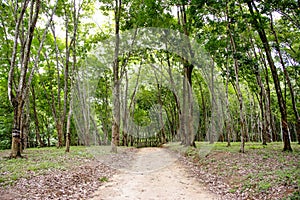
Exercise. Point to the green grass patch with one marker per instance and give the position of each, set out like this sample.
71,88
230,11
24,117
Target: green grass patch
103,179
260,169
263,186
38,161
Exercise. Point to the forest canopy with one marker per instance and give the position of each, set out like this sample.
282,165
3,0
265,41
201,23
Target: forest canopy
146,72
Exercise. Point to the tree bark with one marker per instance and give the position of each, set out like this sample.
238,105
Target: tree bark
282,104
187,111
18,99
68,135
287,77
238,90
36,120
125,115
268,101
25,124
227,111
212,121
116,81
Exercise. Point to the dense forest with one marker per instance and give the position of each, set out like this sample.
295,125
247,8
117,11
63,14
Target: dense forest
146,72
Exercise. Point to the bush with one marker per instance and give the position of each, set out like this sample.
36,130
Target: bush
4,144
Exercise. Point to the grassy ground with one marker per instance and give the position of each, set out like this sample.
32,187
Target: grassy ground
262,172
50,173
39,161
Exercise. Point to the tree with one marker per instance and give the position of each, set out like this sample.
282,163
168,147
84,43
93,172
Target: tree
18,85
287,77
256,21
116,80
237,85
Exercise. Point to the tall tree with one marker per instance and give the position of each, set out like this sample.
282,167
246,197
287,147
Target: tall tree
21,72
187,111
257,23
237,85
116,80
287,77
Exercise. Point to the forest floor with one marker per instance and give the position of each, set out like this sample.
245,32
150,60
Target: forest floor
262,172
174,172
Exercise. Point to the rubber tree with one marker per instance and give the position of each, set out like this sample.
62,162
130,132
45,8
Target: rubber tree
21,72
257,23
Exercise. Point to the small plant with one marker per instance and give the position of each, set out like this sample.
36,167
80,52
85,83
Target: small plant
233,190
263,186
294,196
255,147
103,179
265,157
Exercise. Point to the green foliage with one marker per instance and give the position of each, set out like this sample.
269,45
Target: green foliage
210,22
103,179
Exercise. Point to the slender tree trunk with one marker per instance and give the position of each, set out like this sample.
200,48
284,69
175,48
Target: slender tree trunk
97,140
68,136
227,111
203,107
238,90
160,102
176,97
125,115
36,120
183,123
282,104
66,78
18,99
263,102
116,81
272,127
25,124
213,114
76,12
287,77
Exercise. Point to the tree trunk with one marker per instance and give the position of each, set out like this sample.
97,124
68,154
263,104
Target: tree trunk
238,90
36,120
187,111
227,111
263,102
73,46
17,100
287,77
116,81
281,102
125,115
213,117
16,132
68,136
25,125
61,133
176,97
268,101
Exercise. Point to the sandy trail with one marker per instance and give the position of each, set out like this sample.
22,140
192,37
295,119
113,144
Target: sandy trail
154,174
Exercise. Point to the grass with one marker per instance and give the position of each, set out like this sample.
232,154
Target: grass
39,161
103,179
260,171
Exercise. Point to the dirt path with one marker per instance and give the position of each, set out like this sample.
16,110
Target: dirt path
154,174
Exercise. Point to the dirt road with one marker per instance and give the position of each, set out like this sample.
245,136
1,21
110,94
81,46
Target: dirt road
154,174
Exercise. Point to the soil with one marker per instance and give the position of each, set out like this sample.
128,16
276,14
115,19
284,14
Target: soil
153,173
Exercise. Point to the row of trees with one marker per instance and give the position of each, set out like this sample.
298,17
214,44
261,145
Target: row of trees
245,88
